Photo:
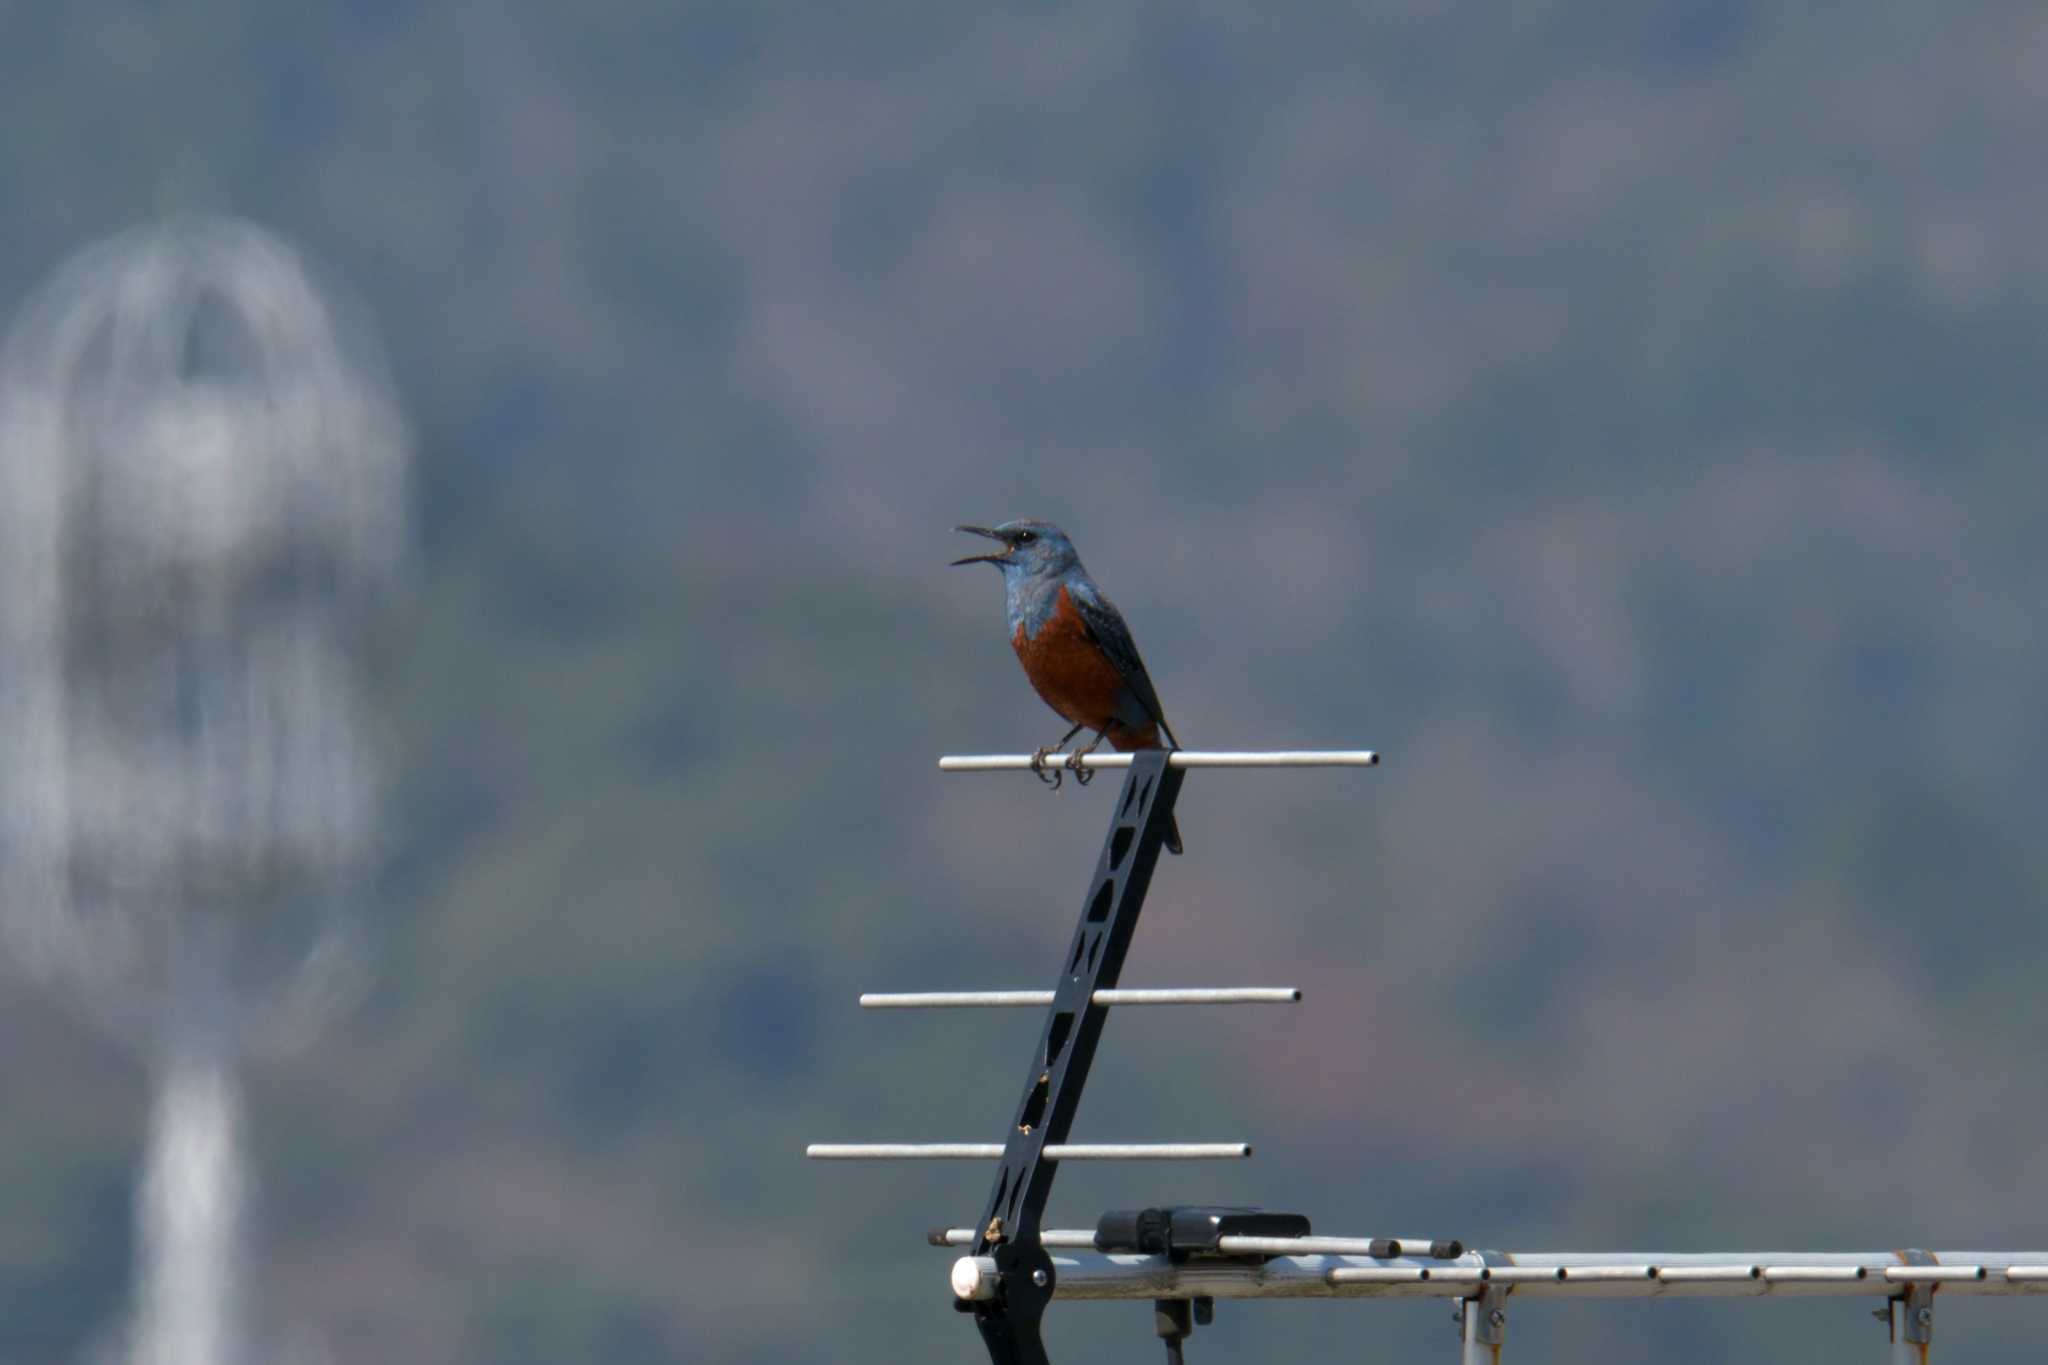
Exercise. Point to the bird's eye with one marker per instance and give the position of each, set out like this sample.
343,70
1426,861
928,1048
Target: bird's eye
1026,537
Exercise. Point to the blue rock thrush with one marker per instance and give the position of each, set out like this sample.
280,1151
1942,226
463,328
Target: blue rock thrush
1074,646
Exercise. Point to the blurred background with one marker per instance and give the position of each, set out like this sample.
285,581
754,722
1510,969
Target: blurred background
1624,416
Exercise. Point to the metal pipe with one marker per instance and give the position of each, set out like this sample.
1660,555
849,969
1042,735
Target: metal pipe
1093,1275
1380,1274
1072,1239
1899,1317
1605,1274
1481,1329
1709,1274
1479,1274
1179,758
904,1151
1084,1240
1775,1275
991,1151
1677,1274
1148,1151
1192,995
1932,1274
1338,1246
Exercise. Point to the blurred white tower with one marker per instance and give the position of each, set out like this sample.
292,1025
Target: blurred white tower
203,501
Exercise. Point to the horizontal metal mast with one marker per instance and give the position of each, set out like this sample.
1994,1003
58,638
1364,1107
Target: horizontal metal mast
1084,1239
1055,1151
1606,1275
1178,758
1196,995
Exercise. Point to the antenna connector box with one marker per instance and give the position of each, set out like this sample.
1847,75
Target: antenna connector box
1191,1230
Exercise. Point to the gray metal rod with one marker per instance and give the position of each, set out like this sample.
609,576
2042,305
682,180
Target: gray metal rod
1605,1274
1410,1264
1479,1274
1083,1239
991,1151
1180,758
1386,1274
1148,1151
1933,1274
904,1151
1903,1350
1709,1274
1482,1329
1093,1275
1319,1246
1075,1239
1192,995
1815,1274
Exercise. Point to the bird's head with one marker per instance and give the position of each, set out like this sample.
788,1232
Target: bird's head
1030,548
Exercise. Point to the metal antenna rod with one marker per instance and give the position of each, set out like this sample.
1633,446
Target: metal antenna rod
1176,758
1008,1232
1171,1321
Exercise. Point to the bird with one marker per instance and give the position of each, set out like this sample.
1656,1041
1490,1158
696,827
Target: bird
1076,650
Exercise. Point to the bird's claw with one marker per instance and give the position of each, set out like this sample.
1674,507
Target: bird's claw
1052,777
1082,776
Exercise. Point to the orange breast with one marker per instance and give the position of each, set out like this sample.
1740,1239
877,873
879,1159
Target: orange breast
1069,670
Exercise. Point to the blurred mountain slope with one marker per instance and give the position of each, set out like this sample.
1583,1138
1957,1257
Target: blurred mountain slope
1624,416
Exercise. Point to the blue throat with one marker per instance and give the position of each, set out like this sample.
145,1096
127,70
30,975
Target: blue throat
1029,598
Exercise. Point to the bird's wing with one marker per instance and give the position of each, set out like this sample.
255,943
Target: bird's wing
1106,626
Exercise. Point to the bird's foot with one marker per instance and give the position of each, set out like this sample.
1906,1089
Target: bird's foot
1052,777
1082,775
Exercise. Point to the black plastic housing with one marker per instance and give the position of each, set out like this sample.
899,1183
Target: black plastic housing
1190,1230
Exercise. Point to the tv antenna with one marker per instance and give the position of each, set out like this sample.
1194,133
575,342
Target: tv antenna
1184,1258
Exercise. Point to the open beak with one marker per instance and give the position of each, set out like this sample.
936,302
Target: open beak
982,559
